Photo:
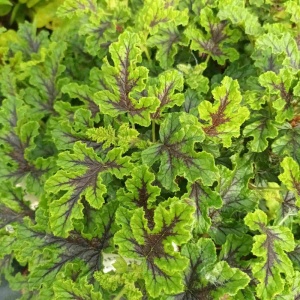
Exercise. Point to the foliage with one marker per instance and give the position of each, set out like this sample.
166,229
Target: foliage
150,150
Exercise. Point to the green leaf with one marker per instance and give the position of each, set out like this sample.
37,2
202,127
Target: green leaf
47,255
178,134
201,256
261,130
44,80
191,102
206,278
281,43
141,193
69,289
217,39
228,280
270,247
203,199
291,176
279,93
167,41
288,142
161,265
225,115
83,93
233,187
157,14
167,83
102,28
194,76
83,174
125,83
235,249
238,14
71,9
29,42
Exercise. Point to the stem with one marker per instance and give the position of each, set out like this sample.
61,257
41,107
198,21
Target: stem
121,293
153,132
207,59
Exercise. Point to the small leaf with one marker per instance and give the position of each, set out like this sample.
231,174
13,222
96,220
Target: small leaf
225,115
168,82
238,14
291,176
218,40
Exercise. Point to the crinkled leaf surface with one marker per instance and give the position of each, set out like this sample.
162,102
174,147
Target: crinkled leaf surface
83,174
291,176
270,247
126,82
216,40
225,115
161,265
207,279
176,154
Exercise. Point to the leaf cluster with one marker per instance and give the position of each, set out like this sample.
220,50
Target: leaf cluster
150,150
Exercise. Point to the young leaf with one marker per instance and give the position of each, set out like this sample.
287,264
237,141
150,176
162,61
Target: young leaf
141,193
156,14
218,40
176,154
168,82
237,13
270,247
279,93
126,82
167,40
225,115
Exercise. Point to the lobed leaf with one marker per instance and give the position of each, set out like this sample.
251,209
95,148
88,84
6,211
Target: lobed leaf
291,176
225,115
83,174
176,154
126,82
270,247
217,41
161,265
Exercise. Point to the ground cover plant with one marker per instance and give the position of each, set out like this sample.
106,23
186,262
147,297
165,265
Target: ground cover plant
150,150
